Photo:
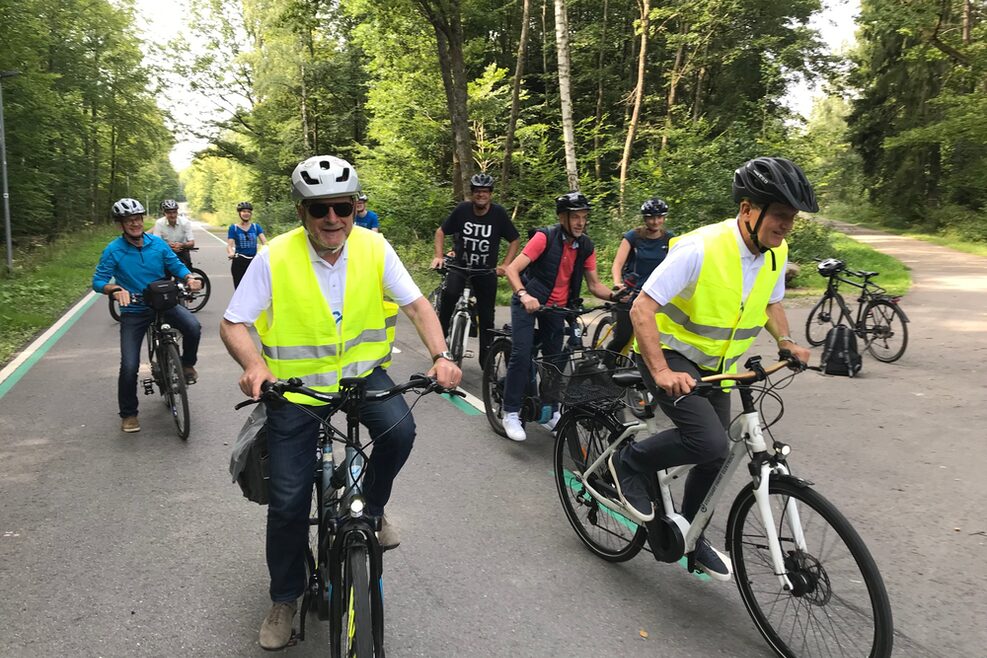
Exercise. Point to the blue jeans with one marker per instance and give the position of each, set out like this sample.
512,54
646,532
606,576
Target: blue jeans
291,441
133,328
551,329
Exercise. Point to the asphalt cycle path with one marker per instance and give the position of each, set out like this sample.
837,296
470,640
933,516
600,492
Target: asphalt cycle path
121,545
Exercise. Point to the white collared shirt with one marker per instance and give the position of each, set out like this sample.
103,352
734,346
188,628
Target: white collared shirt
180,232
253,295
678,273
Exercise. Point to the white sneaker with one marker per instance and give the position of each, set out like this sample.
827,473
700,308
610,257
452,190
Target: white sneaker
513,427
552,422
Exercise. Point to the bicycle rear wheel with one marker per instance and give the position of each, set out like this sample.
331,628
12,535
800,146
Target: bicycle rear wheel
196,299
821,319
885,331
603,332
175,394
457,337
839,606
494,374
356,637
581,437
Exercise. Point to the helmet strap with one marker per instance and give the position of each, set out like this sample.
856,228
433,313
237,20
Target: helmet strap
757,226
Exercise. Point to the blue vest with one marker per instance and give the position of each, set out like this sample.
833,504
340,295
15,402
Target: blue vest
539,277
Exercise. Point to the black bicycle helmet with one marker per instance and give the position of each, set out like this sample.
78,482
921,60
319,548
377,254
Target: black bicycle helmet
654,207
770,180
244,205
127,207
482,180
571,201
830,267
168,205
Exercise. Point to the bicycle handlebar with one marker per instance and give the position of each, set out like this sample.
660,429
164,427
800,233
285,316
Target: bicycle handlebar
450,264
351,389
757,373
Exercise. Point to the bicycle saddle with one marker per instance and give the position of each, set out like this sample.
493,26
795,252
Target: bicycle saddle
627,378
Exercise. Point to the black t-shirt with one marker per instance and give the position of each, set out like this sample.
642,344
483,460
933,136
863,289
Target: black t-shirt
477,239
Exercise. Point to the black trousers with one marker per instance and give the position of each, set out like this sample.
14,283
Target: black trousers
485,290
699,436
238,267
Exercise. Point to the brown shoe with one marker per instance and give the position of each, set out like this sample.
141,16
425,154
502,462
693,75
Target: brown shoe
275,632
130,424
191,376
388,535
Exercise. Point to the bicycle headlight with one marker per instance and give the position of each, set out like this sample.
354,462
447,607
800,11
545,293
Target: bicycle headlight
356,507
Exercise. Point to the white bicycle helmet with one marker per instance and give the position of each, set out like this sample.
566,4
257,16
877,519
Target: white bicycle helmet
128,207
323,176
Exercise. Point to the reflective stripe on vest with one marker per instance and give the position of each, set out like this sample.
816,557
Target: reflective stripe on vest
714,327
299,335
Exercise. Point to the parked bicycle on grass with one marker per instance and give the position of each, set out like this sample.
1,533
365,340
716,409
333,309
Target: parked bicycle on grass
879,321
344,559
805,576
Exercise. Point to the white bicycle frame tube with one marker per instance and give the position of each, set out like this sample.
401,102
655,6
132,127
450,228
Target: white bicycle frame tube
462,306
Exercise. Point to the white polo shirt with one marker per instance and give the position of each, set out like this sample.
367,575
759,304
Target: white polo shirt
180,232
253,295
678,273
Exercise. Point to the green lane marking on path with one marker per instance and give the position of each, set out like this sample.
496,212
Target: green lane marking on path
573,483
462,404
40,351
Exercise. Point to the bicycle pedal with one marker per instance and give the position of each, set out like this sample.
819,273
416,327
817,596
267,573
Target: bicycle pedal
148,386
468,354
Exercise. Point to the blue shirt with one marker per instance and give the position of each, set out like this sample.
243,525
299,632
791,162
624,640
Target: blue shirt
246,241
370,220
135,267
645,255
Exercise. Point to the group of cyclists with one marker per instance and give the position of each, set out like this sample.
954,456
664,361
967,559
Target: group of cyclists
323,299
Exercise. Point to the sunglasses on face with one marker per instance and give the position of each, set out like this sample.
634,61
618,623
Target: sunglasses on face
320,210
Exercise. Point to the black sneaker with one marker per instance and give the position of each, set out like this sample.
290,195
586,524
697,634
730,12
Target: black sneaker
632,488
713,563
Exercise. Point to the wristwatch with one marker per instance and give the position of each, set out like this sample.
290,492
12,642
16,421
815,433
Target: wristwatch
447,355
782,339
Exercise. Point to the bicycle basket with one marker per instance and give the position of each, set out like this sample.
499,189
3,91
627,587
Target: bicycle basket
583,376
161,295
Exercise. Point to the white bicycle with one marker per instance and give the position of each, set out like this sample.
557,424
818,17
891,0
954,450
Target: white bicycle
805,575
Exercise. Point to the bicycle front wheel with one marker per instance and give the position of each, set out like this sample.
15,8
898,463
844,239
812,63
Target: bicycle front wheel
581,437
435,299
839,605
821,319
357,637
114,308
885,332
196,299
457,337
494,374
176,395
603,332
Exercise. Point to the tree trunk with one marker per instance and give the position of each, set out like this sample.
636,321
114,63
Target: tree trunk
544,51
568,132
645,7
598,165
306,135
967,21
515,97
673,84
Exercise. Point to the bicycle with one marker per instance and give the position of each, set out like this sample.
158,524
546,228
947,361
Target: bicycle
534,405
193,300
638,401
344,557
464,316
166,369
879,320
777,529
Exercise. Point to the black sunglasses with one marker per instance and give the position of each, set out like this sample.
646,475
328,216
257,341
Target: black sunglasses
320,210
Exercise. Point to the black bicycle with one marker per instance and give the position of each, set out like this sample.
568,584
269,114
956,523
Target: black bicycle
166,369
193,300
463,324
344,557
546,374
879,322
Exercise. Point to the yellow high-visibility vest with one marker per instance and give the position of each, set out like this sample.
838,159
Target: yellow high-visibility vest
714,326
299,334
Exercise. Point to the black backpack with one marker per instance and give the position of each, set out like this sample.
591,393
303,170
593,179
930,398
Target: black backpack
840,355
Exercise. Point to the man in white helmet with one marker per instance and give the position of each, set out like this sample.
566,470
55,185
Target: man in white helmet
316,287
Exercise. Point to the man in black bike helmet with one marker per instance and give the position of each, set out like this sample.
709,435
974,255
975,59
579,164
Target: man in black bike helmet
549,270
477,227
697,314
133,261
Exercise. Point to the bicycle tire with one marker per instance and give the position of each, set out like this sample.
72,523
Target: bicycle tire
603,332
114,308
850,579
494,373
457,337
356,631
176,394
883,321
821,320
581,437
197,299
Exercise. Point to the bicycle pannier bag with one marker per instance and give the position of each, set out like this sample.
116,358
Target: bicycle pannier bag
249,464
840,355
161,295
